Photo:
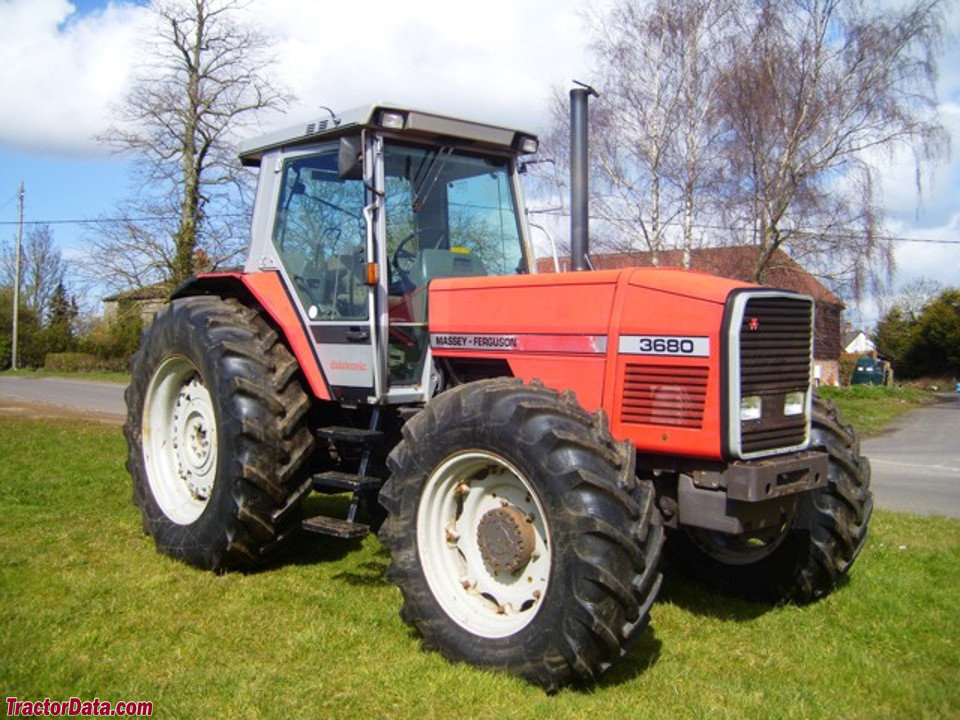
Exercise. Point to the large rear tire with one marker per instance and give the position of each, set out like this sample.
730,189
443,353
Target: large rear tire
813,550
216,434
520,537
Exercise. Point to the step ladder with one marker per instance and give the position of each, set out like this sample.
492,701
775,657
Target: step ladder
338,482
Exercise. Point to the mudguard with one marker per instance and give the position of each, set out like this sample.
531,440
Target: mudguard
268,291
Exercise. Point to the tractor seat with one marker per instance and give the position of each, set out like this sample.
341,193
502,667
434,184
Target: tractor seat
433,263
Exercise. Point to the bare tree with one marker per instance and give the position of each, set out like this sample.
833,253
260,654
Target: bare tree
204,76
657,66
913,296
704,32
634,121
756,121
815,86
42,268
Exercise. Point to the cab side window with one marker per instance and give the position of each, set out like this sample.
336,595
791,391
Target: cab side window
320,237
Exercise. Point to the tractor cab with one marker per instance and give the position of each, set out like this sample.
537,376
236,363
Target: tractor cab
361,211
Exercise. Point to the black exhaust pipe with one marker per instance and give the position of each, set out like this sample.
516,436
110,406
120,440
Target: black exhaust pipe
579,181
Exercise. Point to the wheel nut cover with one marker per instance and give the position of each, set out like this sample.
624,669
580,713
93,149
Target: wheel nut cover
506,539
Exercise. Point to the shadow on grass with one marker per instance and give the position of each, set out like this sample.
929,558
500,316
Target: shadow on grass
639,659
373,575
694,597
683,589
308,548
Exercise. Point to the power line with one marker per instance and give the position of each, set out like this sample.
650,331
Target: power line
156,218
833,234
96,221
9,202
103,221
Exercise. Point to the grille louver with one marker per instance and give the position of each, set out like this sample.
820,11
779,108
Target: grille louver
316,127
664,395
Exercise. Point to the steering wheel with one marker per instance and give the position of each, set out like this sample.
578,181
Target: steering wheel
403,259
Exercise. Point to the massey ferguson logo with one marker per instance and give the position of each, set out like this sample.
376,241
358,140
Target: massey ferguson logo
475,342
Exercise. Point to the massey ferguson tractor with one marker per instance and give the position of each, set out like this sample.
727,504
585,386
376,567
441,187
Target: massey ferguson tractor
523,442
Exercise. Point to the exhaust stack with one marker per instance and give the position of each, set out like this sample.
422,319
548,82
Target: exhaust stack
579,181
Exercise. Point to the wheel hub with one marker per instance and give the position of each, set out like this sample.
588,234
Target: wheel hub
193,439
506,539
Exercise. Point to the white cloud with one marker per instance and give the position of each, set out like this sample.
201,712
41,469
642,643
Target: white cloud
935,199
60,73
495,61
931,256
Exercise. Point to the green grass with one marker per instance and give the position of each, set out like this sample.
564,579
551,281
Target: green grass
871,408
96,375
88,609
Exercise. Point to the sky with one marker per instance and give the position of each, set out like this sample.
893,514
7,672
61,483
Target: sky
65,63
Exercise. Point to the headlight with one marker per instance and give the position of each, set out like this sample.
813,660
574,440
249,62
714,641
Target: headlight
392,120
750,408
528,145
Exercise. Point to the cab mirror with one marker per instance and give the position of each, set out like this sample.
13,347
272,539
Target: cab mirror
350,159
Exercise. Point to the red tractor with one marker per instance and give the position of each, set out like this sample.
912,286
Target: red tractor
522,441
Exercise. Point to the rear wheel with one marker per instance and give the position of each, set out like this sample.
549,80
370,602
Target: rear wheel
519,535
816,544
216,434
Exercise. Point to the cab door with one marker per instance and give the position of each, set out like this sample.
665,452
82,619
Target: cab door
448,213
320,237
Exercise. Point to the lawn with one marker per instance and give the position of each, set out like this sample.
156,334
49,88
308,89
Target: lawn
871,408
88,609
95,375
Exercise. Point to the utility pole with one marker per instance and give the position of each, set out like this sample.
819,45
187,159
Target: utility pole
16,282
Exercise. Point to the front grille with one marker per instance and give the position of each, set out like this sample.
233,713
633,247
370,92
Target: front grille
664,395
776,340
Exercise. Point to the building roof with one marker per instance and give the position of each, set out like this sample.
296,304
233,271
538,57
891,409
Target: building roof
850,335
734,263
857,341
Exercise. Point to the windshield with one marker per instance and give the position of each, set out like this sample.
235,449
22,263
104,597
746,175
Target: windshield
448,214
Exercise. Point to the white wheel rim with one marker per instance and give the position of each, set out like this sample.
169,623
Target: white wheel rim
456,497
179,440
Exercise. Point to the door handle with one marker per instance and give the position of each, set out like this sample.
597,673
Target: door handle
357,335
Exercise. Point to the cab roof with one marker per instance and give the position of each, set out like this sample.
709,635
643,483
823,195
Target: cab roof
417,124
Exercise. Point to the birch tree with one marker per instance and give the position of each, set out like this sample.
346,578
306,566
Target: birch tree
42,268
817,88
657,67
762,122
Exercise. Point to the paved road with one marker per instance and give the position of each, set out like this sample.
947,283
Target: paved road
103,398
916,462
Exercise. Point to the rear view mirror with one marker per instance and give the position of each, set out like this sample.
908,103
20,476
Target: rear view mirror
350,159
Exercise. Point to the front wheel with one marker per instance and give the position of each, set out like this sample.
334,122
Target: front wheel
812,550
519,535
